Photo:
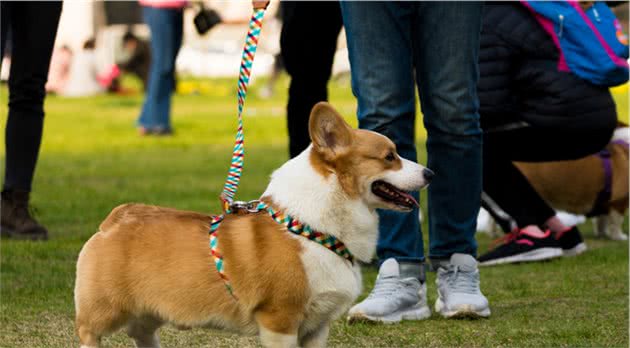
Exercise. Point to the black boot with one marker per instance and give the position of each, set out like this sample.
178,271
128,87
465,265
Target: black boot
17,221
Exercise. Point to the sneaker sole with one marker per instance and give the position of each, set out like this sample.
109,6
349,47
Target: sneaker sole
417,312
534,255
576,250
465,311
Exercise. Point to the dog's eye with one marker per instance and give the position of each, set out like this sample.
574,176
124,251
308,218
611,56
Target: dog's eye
390,157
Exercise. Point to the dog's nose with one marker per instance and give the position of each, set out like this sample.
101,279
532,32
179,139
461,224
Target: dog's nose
428,174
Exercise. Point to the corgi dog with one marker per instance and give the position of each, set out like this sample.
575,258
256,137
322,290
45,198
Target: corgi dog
148,266
575,186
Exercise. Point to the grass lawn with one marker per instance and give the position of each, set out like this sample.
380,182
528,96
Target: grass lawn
92,160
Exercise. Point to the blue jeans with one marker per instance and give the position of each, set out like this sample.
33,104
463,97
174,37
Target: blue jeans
392,46
166,39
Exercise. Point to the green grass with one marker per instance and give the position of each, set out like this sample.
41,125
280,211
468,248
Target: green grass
92,160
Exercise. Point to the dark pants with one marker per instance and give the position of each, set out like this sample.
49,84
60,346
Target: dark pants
509,189
33,27
308,42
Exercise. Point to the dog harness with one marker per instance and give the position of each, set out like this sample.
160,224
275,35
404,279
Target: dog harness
600,206
236,168
292,225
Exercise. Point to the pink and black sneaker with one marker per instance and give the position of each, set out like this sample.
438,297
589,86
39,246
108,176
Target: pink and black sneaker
571,242
524,245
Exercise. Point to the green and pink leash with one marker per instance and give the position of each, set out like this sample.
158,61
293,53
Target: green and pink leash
236,168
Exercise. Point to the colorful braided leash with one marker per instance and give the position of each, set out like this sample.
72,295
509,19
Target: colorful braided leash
247,61
236,168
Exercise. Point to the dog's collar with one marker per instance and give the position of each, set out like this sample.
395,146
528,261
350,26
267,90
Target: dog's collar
292,225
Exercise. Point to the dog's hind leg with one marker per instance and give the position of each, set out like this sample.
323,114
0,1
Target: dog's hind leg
600,226
143,330
316,339
273,339
615,226
277,328
87,338
90,328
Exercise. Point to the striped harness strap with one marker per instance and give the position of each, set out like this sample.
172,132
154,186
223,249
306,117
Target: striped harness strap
292,225
236,168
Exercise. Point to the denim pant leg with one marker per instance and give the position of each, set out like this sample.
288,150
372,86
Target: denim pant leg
380,50
447,38
166,34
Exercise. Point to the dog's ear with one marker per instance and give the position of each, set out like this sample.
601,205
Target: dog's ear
330,134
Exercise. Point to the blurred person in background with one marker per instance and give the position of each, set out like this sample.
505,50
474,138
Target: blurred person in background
165,21
137,57
532,112
83,76
59,69
307,45
33,26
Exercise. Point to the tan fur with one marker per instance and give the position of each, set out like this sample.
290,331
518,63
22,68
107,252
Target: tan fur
355,151
149,265
573,186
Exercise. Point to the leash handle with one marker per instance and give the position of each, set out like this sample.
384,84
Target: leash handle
247,61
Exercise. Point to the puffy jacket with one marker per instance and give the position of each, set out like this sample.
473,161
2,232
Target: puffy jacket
519,82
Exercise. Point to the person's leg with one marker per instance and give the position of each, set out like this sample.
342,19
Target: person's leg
32,47
511,191
447,74
308,62
156,108
380,50
177,17
507,186
146,119
379,44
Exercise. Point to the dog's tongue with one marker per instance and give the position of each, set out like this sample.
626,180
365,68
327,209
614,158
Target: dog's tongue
406,195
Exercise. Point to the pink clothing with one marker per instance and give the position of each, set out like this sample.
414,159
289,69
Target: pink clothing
173,4
59,70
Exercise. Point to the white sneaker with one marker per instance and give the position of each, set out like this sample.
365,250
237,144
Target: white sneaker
393,298
458,289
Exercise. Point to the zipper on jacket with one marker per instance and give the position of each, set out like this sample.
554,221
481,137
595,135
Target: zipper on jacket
561,18
596,14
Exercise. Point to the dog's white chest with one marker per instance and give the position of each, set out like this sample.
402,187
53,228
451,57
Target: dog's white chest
334,283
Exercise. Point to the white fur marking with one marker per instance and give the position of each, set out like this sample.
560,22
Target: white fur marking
269,338
408,178
615,226
622,134
322,204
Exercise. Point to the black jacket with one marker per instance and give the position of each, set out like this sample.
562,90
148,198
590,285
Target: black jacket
519,82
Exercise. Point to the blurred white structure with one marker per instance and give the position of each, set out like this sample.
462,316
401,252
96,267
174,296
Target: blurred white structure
216,54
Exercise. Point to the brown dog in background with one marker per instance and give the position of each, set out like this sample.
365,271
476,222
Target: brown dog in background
574,186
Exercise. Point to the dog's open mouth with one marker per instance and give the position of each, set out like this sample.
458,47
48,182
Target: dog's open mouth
391,194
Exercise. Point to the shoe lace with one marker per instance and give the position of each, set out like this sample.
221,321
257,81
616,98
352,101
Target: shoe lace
385,286
462,281
507,239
